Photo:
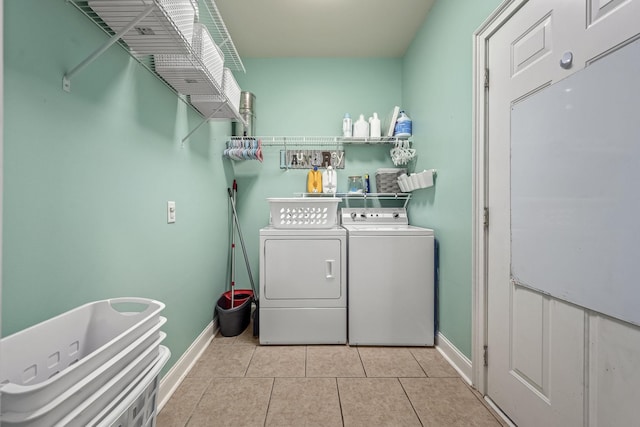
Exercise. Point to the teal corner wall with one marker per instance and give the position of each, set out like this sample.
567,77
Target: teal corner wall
437,92
308,97
88,175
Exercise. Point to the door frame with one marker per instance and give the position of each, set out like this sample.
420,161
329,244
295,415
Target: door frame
1,144
479,332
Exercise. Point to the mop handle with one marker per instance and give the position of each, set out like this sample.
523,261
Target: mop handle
233,252
244,250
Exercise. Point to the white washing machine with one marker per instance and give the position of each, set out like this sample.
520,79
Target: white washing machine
391,278
303,286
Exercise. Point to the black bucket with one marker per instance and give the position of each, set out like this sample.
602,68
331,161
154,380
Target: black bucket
233,320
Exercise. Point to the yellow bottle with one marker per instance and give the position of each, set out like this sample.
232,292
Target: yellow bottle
314,181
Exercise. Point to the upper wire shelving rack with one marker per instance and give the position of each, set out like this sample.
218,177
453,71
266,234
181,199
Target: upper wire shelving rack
321,141
208,15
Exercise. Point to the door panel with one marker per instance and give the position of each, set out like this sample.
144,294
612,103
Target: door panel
532,45
529,346
550,362
614,377
302,269
599,9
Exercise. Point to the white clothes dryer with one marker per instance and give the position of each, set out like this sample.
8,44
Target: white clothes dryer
303,286
391,278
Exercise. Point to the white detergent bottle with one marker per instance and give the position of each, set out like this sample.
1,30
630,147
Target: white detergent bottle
374,126
329,181
347,126
361,128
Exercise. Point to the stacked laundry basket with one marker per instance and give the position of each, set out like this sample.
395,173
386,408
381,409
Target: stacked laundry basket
96,365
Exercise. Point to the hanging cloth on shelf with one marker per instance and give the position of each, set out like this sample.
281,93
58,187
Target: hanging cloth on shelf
244,149
259,151
402,153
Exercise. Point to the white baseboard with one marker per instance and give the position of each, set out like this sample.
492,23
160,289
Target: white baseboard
179,370
459,361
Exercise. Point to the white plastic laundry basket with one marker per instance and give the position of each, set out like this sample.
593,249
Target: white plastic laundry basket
193,74
167,29
82,403
207,104
26,402
136,406
47,359
304,212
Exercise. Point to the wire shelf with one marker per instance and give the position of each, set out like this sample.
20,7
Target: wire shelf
361,198
320,141
208,16
220,34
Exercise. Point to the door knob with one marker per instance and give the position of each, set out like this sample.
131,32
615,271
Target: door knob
567,60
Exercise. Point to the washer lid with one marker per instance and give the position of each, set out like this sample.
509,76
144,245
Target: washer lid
387,230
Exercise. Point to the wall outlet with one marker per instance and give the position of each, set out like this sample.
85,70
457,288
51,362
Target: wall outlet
171,212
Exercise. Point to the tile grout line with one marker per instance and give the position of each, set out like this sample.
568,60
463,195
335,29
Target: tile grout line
246,370
419,364
366,375
410,402
266,414
339,401
198,402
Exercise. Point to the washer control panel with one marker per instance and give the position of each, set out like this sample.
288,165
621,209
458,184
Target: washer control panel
374,216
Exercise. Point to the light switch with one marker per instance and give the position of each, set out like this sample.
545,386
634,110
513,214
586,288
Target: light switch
171,212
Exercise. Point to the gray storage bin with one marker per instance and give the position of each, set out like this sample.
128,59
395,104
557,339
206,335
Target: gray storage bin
387,180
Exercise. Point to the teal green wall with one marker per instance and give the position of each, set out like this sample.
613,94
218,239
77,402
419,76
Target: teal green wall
302,96
437,91
88,175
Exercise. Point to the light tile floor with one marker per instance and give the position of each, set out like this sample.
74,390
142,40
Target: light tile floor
239,383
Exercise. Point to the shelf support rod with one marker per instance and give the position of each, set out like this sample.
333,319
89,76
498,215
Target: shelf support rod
66,79
201,123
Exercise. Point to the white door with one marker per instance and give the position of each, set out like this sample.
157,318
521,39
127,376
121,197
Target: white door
550,363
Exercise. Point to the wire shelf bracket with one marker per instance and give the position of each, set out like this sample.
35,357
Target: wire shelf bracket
66,79
206,119
209,16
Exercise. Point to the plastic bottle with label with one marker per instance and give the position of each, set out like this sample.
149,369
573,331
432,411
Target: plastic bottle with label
361,128
347,126
403,127
314,181
329,180
374,126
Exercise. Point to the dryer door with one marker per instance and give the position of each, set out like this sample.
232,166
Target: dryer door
302,269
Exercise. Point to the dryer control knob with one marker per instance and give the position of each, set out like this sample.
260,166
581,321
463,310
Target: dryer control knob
353,215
